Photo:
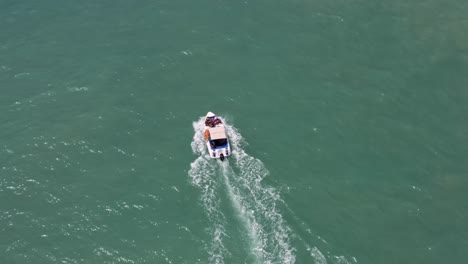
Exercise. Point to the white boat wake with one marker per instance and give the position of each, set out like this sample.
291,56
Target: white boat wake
203,172
255,204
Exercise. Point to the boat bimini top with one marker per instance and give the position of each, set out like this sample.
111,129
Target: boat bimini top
217,133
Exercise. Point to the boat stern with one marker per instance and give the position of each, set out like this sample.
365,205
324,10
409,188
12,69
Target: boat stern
220,152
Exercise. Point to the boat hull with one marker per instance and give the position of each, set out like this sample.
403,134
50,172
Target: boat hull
218,152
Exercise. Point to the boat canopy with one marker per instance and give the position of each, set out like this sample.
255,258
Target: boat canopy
217,133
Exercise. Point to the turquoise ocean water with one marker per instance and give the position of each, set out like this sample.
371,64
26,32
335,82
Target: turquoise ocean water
347,119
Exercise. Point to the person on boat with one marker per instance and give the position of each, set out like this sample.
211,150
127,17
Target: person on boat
207,135
212,120
209,122
217,121
208,138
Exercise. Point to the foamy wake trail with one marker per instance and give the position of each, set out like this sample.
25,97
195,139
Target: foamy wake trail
203,174
255,203
259,206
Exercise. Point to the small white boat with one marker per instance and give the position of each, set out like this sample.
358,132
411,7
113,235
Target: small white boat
216,138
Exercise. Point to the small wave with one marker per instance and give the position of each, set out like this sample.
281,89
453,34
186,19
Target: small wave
21,75
75,89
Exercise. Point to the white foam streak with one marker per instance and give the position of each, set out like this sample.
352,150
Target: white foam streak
198,143
243,214
319,258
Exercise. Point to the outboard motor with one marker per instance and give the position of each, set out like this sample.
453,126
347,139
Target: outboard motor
221,157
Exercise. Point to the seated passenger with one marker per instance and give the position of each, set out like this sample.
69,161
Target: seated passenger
207,135
217,121
209,122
